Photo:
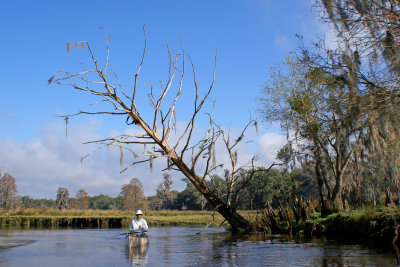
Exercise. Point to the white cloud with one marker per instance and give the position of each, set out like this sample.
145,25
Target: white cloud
41,165
268,145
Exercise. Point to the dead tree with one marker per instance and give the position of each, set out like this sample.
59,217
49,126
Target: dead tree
200,164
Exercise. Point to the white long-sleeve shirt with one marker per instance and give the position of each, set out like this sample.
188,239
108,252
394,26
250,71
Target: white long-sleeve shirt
138,225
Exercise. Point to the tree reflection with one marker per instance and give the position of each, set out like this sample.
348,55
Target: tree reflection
227,249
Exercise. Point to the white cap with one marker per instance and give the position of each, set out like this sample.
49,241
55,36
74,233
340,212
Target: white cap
139,212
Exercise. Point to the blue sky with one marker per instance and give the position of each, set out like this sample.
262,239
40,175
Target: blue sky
248,35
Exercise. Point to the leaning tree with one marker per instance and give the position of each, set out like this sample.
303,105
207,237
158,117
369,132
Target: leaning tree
184,150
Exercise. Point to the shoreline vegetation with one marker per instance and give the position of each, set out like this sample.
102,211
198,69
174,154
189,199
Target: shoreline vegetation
377,225
36,218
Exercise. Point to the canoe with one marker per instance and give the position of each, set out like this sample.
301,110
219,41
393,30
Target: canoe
137,240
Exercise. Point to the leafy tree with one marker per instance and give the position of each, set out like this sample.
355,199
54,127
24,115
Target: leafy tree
306,100
154,202
278,186
132,195
103,202
371,29
217,186
28,202
73,203
340,107
8,191
62,200
82,199
189,198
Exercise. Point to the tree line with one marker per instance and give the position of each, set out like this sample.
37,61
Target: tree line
273,188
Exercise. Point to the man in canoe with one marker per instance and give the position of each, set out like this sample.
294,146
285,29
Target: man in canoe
138,224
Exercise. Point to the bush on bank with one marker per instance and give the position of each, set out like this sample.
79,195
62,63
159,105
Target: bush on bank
377,224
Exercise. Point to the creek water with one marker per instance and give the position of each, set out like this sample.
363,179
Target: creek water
181,246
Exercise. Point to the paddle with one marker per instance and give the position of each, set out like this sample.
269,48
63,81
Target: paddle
129,233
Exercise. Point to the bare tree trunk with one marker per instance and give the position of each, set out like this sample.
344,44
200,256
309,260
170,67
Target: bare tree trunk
236,221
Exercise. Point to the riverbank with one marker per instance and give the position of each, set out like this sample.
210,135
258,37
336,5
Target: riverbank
374,225
103,218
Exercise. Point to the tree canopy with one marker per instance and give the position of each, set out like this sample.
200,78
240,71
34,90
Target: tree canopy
340,106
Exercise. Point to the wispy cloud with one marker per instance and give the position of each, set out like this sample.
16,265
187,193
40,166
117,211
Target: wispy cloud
283,43
8,114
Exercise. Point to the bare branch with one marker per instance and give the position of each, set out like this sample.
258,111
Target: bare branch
108,50
133,106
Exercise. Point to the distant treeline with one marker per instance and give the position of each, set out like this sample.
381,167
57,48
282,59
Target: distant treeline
101,202
274,187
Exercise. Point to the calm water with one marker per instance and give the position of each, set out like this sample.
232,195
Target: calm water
181,246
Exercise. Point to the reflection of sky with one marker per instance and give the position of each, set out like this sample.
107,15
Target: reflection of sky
181,246
137,255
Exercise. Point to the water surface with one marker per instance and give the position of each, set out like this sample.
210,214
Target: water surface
181,246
